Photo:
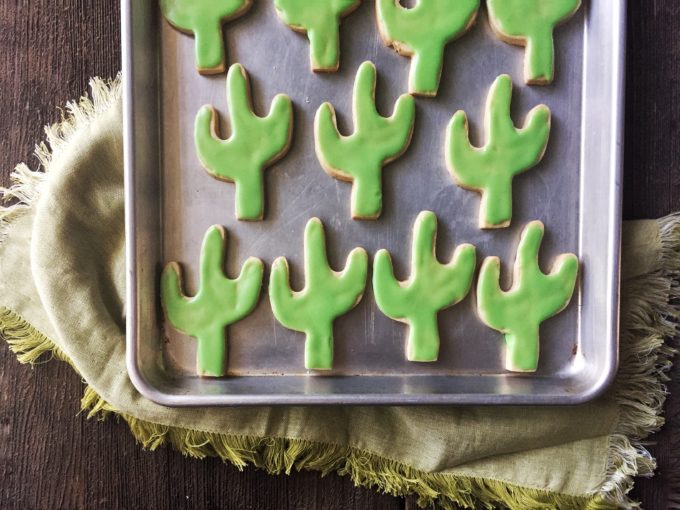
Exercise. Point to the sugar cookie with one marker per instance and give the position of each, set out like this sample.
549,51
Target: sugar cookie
533,298
508,152
219,302
531,23
204,19
432,287
326,296
320,20
376,141
255,143
422,32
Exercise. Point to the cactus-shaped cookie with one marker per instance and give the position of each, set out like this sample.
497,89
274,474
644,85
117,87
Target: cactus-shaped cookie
326,296
204,19
531,23
218,303
508,152
320,20
422,32
376,141
533,298
255,143
431,287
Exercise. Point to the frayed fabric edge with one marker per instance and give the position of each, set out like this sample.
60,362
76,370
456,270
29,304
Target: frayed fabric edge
649,335
26,184
278,455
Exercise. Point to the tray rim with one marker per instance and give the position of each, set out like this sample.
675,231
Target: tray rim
154,392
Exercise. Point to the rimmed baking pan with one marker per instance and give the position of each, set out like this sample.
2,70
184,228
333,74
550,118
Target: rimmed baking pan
171,202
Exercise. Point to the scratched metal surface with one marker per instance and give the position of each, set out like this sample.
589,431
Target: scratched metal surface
574,191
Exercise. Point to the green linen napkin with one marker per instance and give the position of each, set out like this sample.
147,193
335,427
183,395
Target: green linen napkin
62,274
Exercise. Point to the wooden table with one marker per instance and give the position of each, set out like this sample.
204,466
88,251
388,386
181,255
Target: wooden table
50,457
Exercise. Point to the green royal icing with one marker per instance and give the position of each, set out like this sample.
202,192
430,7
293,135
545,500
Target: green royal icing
423,32
218,303
326,296
255,143
533,298
204,19
508,152
431,287
320,20
376,141
531,23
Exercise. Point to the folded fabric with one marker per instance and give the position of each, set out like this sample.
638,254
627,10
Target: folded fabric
62,282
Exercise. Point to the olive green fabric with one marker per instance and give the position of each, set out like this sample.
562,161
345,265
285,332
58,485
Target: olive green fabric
62,282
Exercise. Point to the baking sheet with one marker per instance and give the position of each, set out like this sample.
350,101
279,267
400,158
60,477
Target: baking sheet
575,191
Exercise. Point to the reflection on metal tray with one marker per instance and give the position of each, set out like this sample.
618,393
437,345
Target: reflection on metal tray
171,202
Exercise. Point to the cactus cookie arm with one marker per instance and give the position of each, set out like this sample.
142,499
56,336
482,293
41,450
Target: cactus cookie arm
352,279
561,282
391,296
283,299
178,307
248,287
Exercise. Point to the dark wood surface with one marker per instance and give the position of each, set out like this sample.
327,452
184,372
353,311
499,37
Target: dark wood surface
51,457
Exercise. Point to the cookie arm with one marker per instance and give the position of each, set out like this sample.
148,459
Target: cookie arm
178,307
351,282
389,293
561,283
248,287
283,299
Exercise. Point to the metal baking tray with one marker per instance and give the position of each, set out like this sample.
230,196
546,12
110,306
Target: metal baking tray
171,201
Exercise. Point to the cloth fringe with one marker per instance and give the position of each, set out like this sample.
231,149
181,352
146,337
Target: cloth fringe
649,335
278,455
25,183
28,344
283,455
646,353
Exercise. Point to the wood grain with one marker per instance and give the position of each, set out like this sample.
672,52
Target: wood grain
51,457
